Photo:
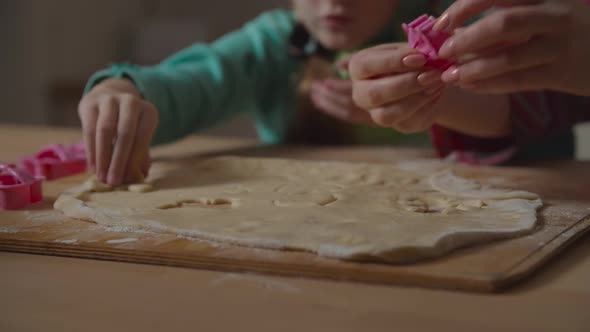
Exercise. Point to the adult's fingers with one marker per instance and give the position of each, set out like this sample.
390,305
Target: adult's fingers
507,26
530,79
462,11
88,113
371,94
390,115
106,129
538,52
379,61
130,109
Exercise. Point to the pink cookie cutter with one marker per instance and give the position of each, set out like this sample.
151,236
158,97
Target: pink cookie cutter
18,188
56,161
421,37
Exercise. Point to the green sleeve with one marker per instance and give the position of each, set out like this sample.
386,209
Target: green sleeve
206,84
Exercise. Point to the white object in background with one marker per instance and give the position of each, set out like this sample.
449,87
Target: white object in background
583,142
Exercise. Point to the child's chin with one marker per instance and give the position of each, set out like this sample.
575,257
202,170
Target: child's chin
339,43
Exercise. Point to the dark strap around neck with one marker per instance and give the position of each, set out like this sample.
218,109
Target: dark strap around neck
303,45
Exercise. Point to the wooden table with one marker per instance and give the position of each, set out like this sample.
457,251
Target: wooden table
39,293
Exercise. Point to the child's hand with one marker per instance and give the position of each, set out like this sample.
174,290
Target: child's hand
334,97
524,45
390,81
118,126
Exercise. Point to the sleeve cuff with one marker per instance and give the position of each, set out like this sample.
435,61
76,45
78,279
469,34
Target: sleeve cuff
131,72
452,145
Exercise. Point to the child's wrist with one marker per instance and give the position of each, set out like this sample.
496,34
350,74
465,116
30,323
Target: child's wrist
123,85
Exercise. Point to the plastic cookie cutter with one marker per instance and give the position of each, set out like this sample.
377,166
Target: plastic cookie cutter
421,37
56,161
18,188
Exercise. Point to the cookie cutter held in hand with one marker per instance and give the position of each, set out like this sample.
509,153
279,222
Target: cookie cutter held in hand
56,161
422,38
18,188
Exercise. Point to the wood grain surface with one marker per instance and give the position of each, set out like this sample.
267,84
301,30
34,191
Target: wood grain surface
486,268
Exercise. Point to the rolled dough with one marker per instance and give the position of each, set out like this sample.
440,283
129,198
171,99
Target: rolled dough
339,210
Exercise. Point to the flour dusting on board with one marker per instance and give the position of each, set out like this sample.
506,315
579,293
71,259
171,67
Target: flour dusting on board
125,240
71,241
7,230
50,216
217,245
123,229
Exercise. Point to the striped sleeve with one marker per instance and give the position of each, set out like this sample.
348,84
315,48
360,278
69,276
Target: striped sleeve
534,115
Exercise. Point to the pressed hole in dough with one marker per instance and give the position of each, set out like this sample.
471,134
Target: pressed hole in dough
221,203
327,200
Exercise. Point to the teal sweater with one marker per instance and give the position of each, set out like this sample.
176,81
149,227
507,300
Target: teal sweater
247,71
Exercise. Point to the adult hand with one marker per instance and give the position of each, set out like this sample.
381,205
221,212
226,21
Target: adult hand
390,81
522,45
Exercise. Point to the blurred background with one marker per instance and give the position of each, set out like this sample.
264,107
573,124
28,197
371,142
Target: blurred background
49,48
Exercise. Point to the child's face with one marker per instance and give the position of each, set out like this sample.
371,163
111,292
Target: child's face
344,24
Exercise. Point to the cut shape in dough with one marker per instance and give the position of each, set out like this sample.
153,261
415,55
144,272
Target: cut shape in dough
340,210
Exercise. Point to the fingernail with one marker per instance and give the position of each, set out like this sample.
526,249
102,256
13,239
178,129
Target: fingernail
414,60
446,50
442,23
451,75
429,77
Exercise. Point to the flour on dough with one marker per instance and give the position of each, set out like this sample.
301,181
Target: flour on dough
340,210
94,185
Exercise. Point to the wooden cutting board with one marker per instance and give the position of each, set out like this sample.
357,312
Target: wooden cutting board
486,268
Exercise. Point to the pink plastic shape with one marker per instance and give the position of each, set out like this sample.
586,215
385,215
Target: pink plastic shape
18,188
56,161
428,42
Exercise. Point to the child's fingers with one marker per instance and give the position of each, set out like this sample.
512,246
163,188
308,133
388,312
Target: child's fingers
341,86
146,164
530,79
371,94
147,123
538,52
375,62
342,99
88,114
390,115
126,131
462,11
339,106
514,25
106,128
